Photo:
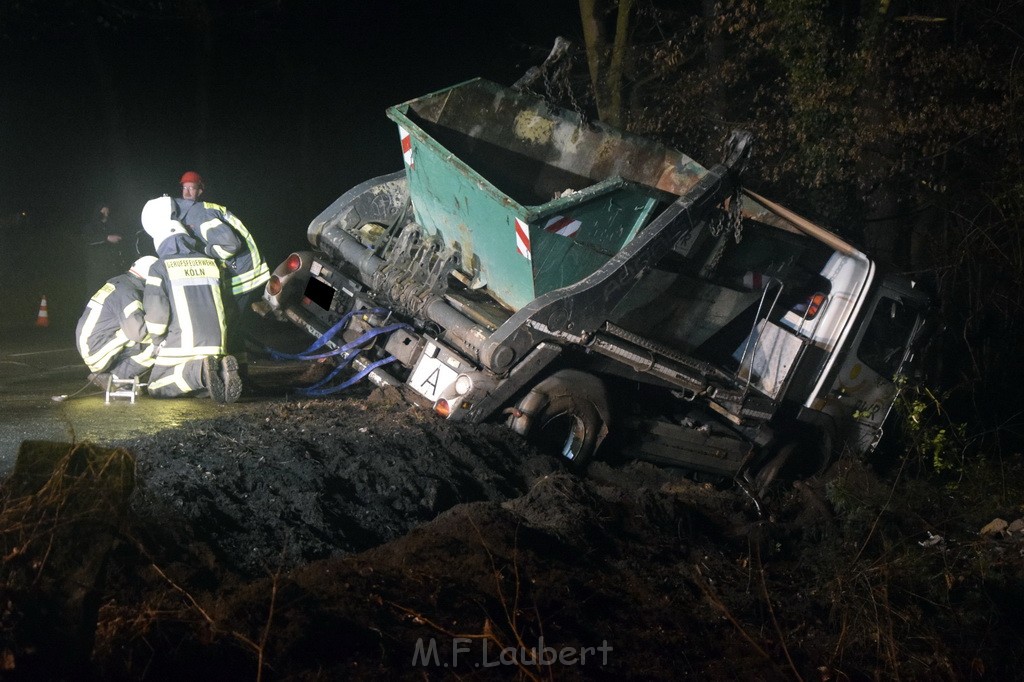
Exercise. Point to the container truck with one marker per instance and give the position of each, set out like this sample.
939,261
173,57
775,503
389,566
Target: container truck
590,286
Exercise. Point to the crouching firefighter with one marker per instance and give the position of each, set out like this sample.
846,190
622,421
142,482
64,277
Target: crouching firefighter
111,334
185,314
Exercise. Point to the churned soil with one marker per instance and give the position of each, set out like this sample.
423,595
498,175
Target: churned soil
364,538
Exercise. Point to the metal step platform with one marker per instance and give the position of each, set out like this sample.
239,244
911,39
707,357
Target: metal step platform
122,388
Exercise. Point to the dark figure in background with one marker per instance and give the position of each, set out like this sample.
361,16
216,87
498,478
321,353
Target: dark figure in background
111,334
225,239
185,314
101,245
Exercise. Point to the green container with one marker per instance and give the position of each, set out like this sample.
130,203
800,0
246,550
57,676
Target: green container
533,197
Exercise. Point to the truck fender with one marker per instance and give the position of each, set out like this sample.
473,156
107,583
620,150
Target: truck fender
566,414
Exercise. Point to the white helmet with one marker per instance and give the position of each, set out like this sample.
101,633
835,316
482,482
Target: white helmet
158,220
140,268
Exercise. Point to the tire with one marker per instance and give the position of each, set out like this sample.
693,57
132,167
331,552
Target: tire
800,456
768,473
565,416
568,428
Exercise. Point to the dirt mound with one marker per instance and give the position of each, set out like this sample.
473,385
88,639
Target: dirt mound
360,538
302,481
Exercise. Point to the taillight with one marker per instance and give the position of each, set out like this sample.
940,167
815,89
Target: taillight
293,263
443,408
811,306
274,285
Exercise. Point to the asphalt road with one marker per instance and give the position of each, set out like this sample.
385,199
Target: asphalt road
45,395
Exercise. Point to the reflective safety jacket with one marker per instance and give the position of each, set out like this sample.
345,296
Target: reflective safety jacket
182,300
226,239
113,325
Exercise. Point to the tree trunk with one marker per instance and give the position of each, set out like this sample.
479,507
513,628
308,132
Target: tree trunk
605,61
883,231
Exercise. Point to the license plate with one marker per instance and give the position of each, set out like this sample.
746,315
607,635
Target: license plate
319,292
432,375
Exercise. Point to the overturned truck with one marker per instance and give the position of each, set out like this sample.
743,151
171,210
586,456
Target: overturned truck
589,285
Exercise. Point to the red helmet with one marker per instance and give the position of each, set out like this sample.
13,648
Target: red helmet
191,176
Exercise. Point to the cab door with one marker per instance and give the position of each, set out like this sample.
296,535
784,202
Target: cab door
865,387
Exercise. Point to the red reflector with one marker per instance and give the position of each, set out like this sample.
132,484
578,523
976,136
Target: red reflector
274,285
293,263
443,408
814,305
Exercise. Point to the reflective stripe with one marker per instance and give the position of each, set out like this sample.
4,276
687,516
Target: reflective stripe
156,329
247,281
133,307
204,228
87,330
101,358
145,357
98,359
105,353
176,378
258,273
172,356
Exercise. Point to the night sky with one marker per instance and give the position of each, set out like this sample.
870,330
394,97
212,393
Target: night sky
278,105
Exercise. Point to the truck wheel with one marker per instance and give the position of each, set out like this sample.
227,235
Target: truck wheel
802,455
773,466
568,428
566,416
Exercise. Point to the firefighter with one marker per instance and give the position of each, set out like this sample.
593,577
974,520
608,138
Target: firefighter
226,239
111,334
185,313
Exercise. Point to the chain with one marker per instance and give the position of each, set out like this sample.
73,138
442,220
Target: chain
717,224
715,258
558,86
728,220
735,216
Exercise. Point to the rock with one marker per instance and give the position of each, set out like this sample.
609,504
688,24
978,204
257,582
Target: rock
994,527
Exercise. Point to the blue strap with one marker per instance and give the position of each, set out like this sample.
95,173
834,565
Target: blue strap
326,336
316,392
333,373
363,338
320,387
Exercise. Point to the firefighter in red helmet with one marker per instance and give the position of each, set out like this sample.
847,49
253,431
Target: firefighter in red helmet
191,185
225,238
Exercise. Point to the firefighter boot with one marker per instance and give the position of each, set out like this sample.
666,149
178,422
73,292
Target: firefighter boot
232,380
212,379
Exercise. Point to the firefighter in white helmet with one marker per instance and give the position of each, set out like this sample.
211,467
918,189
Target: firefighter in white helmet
185,313
111,334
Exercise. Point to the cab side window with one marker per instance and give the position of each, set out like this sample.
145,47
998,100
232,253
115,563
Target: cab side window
883,345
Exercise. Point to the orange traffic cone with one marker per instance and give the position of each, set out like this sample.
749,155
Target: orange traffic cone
43,318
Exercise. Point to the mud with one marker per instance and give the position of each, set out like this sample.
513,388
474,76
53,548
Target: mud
301,481
362,538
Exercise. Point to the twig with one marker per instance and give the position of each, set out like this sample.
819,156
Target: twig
486,635
717,603
878,517
266,627
771,612
198,607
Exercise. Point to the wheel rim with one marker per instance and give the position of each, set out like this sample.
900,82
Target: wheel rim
564,434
